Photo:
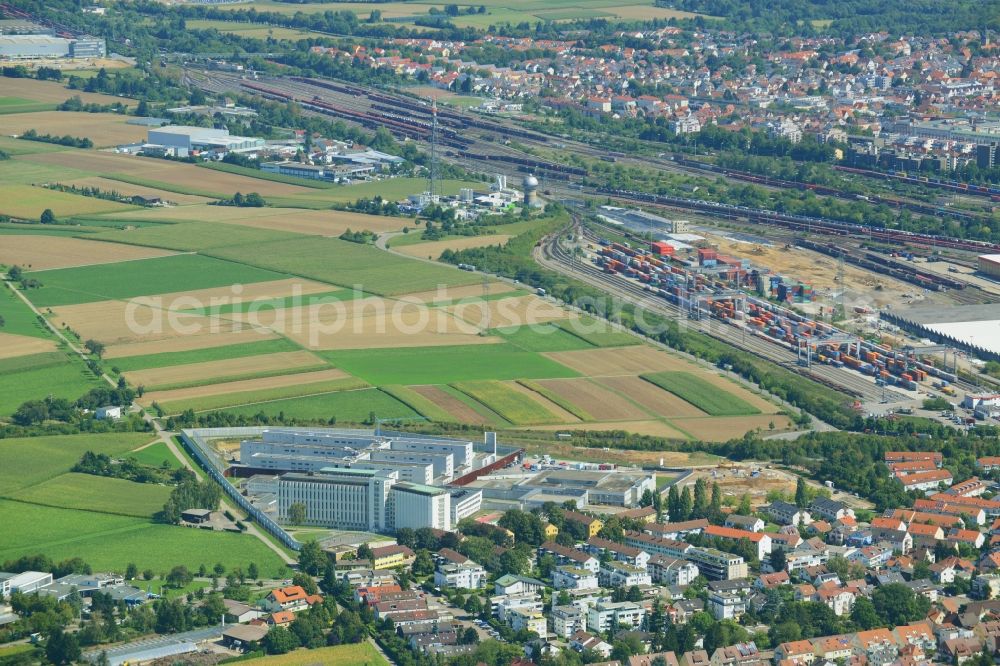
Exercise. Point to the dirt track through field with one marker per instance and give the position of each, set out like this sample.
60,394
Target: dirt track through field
652,428
599,402
39,253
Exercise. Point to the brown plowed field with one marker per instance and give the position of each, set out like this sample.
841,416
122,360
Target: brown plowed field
599,402
458,409
651,397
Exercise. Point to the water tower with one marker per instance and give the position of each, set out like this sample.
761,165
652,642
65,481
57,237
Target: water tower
530,187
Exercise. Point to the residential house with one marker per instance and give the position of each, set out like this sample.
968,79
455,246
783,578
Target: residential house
748,523
784,513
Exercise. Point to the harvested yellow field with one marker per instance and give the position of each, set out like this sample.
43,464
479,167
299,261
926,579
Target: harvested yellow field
518,311
652,428
43,252
175,174
597,401
27,202
128,189
187,343
724,428
408,327
615,362
126,322
242,386
176,314
434,249
651,397
104,129
53,92
233,368
12,345
445,294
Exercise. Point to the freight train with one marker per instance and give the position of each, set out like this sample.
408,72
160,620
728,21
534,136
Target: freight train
805,223
991,191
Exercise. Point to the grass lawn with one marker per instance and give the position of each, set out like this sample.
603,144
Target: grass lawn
358,654
443,365
108,542
87,284
155,455
69,379
18,317
189,236
19,649
35,229
28,461
132,363
345,406
508,403
97,493
707,397
347,264
541,338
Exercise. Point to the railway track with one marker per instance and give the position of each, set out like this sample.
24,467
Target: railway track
552,255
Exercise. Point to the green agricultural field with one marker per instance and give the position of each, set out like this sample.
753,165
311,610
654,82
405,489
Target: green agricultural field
347,264
108,542
98,494
16,147
541,338
345,406
24,172
34,229
18,317
189,236
10,366
357,654
418,403
707,397
184,272
20,105
444,365
266,305
25,201
597,332
216,402
70,380
508,403
28,461
155,455
131,363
